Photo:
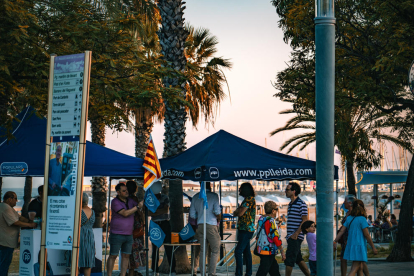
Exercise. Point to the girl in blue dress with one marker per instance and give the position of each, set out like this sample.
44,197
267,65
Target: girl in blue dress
358,235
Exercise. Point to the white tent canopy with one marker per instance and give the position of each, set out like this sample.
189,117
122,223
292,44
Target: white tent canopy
279,200
229,201
308,199
261,200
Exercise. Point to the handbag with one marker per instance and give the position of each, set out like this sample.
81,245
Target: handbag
138,232
341,239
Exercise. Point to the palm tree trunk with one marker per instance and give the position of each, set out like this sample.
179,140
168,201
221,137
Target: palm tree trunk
350,177
99,184
143,129
172,37
27,195
401,252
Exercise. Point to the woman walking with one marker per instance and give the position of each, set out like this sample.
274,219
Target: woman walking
247,215
137,257
358,235
87,238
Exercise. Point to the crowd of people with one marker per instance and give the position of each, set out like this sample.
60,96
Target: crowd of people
126,235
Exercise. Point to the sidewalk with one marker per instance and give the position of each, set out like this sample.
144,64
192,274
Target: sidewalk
375,268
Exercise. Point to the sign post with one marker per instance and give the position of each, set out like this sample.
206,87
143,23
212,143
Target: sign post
411,77
65,155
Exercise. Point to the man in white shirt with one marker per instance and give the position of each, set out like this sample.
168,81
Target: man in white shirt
212,234
10,223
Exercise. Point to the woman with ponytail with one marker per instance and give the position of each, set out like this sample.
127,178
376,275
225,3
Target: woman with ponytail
358,235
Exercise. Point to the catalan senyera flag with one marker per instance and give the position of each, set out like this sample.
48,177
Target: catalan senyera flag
151,165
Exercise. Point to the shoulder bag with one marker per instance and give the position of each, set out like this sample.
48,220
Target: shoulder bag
341,240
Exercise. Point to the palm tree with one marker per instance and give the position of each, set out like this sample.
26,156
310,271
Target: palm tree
204,85
172,36
356,129
205,76
203,90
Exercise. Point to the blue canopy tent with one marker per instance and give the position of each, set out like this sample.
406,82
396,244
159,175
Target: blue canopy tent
223,156
29,147
380,177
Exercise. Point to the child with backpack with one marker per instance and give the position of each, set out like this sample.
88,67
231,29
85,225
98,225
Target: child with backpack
268,242
309,228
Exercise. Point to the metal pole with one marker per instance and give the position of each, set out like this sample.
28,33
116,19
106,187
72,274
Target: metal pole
107,221
336,221
221,224
375,200
391,194
325,105
237,206
146,244
43,250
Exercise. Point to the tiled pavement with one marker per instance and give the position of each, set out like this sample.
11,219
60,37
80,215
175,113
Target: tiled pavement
381,268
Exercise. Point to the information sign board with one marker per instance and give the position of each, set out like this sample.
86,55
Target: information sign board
67,116
68,81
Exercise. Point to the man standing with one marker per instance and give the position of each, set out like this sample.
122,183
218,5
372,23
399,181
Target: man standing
297,214
55,170
35,206
122,226
162,218
10,222
212,234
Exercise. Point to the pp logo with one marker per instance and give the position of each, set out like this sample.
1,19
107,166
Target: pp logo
69,239
197,173
185,230
26,256
214,173
149,200
155,234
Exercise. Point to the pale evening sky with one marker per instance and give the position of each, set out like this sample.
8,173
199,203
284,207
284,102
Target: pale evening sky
248,35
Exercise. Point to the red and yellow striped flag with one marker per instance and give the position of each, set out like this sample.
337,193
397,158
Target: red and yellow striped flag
151,165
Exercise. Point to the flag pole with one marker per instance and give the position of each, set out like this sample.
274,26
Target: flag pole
146,241
204,240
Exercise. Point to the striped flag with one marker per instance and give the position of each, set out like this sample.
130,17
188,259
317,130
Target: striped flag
151,165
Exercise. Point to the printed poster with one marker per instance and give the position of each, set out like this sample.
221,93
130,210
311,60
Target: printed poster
63,167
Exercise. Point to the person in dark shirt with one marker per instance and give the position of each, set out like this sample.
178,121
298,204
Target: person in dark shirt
35,207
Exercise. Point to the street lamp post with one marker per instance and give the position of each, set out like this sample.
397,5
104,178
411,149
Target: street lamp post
325,105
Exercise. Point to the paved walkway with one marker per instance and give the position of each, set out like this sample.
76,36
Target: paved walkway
375,268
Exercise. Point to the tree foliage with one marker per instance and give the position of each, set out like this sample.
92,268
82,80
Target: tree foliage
374,49
23,61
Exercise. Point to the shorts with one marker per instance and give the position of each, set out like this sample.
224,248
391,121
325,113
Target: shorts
293,253
312,267
123,242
